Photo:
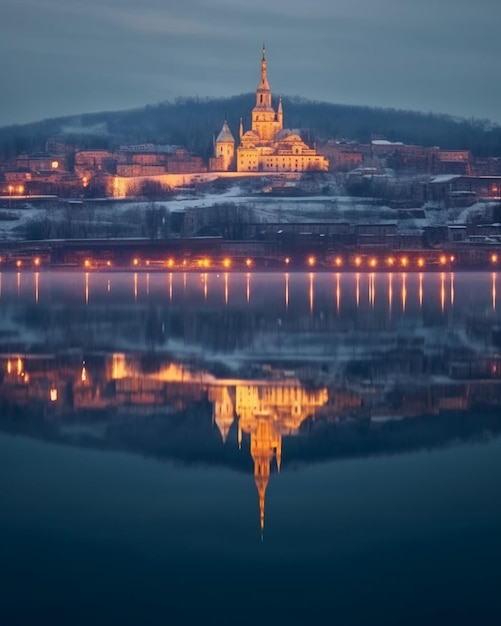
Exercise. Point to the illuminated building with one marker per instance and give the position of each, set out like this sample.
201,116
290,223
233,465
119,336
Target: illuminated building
267,146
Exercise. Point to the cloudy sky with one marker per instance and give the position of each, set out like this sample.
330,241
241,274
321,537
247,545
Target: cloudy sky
64,57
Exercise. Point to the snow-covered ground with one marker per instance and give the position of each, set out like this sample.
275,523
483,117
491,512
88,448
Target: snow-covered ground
266,208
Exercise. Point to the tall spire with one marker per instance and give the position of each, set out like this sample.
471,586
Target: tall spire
263,94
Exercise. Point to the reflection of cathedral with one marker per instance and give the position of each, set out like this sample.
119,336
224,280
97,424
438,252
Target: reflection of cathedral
59,386
267,146
266,410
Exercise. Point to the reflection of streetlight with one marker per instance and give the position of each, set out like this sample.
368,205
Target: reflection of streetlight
11,189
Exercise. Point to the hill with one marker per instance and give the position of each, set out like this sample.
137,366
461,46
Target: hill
191,122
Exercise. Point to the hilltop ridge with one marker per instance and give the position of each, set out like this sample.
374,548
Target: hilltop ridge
192,122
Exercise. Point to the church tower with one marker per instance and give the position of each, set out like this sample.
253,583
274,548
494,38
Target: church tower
265,121
224,149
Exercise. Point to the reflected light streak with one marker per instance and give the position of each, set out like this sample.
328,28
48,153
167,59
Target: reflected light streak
372,290
18,282
442,291
37,289
357,289
404,291
286,290
109,286
494,278
135,286
452,288
184,281
248,287
338,293
148,284
226,293
312,292
86,287
170,286
205,278
420,290
390,292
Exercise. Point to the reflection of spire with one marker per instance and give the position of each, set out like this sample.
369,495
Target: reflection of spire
266,410
263,441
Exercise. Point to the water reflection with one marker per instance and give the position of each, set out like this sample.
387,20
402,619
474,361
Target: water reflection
411,286
270,368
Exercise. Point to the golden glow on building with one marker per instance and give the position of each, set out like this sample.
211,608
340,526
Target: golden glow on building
267,146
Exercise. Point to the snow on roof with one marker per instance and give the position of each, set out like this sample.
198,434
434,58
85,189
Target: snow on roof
225,134
385,142
445,178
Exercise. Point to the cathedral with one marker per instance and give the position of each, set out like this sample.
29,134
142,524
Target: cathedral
267,146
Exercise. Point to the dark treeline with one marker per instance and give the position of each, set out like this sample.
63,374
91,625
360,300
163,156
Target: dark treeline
192,123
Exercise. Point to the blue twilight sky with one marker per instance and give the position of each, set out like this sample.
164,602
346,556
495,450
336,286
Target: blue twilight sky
64,57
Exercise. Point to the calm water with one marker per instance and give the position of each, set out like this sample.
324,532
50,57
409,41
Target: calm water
254,448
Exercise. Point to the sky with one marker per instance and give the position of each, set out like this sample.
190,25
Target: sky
67,57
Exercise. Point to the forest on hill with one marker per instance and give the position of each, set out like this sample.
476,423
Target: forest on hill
192,123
